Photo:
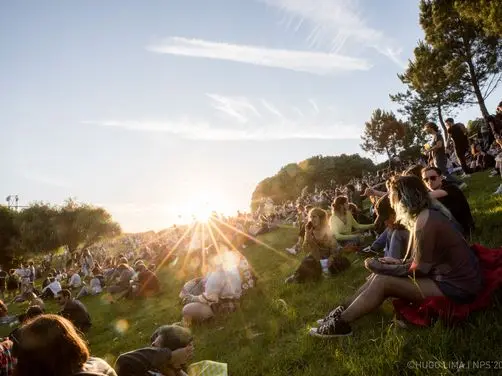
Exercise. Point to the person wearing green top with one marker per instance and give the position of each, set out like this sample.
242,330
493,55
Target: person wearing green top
344,228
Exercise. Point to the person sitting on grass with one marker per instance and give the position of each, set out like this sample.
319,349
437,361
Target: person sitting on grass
51,290
451,197
4,315
481,160
321,248
75,281
442,263
74,311
170,351
31,312
92,286
222,288
12,283
393,240
125,273
50,345
344,227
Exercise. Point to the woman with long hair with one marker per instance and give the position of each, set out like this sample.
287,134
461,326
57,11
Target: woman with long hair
49,345
441,264
345,229
321,249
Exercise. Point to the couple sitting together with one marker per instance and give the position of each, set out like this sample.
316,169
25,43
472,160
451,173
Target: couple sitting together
219,291
323,241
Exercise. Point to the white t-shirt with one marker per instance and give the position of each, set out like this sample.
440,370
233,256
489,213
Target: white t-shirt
224,284
96,286
75,280
55,287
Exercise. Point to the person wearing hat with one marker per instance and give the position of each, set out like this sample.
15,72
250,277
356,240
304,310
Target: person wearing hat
458,134
438,153
393,238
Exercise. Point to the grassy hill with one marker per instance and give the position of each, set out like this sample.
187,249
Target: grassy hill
268,336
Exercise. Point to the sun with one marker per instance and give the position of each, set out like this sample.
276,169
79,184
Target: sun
201,206
202,214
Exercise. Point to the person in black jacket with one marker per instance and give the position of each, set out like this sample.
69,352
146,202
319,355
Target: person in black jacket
451,197
74,311
458,134
170,351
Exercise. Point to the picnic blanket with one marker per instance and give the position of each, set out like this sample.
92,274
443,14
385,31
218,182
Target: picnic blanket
433,308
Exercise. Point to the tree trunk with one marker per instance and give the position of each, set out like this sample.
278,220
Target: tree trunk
441,122
474,80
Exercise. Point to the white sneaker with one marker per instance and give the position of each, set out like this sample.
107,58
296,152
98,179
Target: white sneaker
463,186
498,191
291,250
465,176
493,173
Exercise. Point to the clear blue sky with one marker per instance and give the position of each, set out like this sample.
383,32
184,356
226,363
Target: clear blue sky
150,107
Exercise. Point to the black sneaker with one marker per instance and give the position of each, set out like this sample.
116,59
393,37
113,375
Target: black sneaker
332,315
333,328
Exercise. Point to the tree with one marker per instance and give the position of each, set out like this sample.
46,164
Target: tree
473,54
84,225
384,134
484,13
37,228
434,85
9,236
294,179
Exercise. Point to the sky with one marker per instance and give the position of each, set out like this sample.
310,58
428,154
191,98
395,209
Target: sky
156,109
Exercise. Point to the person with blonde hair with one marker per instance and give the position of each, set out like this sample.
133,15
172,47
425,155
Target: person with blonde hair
323,254
345,229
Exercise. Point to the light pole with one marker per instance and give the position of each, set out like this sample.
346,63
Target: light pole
12,201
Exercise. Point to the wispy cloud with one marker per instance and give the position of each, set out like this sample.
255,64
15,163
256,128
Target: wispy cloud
271,108
334,24
274,123
237,107
314,105
320,63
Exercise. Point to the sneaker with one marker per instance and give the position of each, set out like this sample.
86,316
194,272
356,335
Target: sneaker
493,173
332,315
498,191
291,250
368,250
290,279
331,329
465,176
463,186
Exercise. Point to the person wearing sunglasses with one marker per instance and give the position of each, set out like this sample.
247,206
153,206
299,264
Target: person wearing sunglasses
451,197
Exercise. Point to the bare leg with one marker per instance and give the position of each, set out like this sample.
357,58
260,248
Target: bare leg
197,312
382,287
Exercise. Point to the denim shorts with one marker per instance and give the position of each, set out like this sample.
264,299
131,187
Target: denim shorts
455,294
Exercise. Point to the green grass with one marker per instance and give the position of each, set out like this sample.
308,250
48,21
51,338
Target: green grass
268,336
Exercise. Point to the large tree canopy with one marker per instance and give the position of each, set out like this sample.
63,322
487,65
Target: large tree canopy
472,54
384,134
484,13
43,228
319,171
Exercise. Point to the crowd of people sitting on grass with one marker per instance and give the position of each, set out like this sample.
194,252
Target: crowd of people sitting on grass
417,228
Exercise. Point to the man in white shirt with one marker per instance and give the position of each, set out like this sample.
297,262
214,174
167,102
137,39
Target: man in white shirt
75,281
51,290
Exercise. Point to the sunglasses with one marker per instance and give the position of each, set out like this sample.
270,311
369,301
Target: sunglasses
430,178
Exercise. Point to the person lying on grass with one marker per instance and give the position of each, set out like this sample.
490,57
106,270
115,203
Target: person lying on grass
169,353
345,229
323,254
221,291
442,263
